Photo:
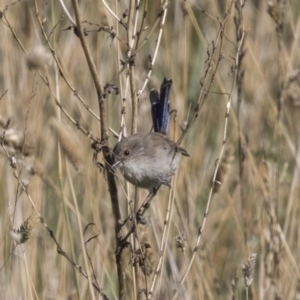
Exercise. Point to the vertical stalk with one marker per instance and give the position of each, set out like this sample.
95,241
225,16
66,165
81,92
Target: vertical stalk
106,153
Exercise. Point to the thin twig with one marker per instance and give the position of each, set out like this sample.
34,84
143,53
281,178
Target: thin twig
153,59
3,94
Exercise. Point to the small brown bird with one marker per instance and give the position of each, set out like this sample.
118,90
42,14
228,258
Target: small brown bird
148,160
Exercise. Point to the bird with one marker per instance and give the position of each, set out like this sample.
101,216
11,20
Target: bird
149,160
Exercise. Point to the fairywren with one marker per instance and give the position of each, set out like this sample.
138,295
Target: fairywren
149,160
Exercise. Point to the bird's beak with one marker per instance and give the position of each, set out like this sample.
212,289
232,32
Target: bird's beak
116,164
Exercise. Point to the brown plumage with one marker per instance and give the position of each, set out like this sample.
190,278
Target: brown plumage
148,160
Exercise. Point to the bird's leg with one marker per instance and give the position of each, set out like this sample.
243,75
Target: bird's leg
146,204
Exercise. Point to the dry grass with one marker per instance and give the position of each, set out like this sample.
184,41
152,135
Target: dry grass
236,196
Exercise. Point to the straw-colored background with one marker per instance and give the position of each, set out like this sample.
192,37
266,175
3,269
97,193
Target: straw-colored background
256,209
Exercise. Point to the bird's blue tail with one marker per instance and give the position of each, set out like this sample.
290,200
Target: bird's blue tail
160,106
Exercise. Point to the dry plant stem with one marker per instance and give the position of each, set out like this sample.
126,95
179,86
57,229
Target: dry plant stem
60,178
282,64
80,234
202,227
67,12
145,40
112,13
204,91
106,153
164,14
23,147
136,51
3,94
142,24
63,199
131,35
146,204
18,186
166,230
292,191
163,242
91,263
288,251
122,99
67,219
134,101
238,20
30,285
195,24
122,129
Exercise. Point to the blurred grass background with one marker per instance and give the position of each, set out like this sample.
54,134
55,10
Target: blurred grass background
255,210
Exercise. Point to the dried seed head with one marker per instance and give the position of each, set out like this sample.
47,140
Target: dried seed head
248,269
291,92
224,168
181,241
144,258
39,58
14,138
291,100
22,234
69,144
274,12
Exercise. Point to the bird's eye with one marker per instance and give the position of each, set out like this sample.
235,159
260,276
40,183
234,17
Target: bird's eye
126,152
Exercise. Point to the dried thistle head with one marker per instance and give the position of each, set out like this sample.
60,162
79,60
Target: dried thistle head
22,234
248,269
69,143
